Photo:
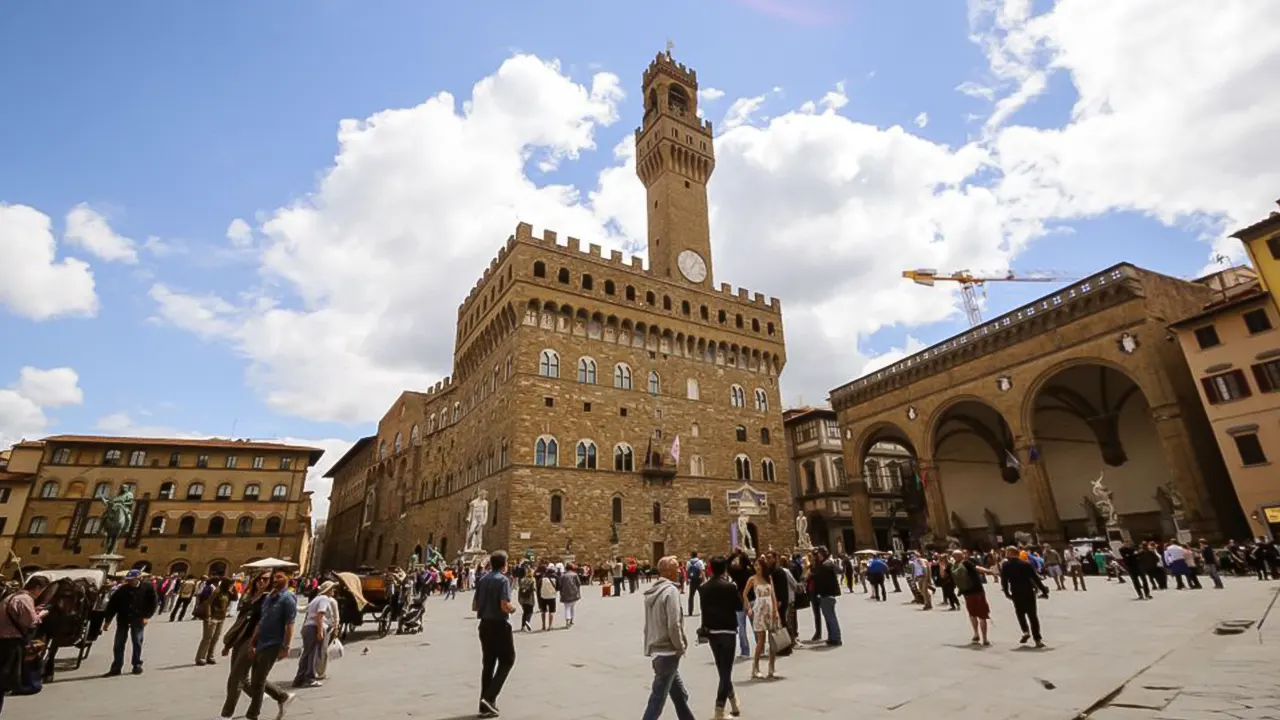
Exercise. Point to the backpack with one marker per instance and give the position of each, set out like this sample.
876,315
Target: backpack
548,587
960,574
695,570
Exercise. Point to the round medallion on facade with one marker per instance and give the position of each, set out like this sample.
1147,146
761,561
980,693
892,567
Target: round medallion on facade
1004,383
692,266
1128,343
912,413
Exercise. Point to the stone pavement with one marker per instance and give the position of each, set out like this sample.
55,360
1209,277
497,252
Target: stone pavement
897,662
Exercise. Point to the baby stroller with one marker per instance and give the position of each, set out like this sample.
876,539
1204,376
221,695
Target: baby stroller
411,617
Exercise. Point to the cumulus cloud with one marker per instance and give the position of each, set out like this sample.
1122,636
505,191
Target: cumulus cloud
36,284
741,110
23,404
710,94
921,120
87,228
239,233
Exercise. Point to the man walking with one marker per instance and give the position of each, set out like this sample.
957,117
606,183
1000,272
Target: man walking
967,575
314,638
826,588
921,575
695,570
186,591
132,604
271,638
664,641
1053,567
1020,582
1133,566
492,605
1209,557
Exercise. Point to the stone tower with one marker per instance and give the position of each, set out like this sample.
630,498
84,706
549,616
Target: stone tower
674,159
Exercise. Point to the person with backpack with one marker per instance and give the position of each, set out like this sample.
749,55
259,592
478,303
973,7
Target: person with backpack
876,571
548,591
967,576
695,569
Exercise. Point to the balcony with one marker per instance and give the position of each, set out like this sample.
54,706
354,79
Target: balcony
657,470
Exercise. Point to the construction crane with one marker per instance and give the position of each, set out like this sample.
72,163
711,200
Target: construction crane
970,284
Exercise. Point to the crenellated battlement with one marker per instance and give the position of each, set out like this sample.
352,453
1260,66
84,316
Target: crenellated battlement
441,387
663,63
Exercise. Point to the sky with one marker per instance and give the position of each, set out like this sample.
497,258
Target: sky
257,220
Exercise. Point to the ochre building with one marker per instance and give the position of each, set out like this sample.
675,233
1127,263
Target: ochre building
1010,423
201,506
575,373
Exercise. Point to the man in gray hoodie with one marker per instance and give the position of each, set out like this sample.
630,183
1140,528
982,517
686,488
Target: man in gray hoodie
664,641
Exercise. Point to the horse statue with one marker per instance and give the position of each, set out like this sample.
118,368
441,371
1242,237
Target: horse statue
116,518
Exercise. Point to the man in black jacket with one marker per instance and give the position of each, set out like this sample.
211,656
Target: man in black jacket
721,602
826,588
133,604
1133,565
1019,581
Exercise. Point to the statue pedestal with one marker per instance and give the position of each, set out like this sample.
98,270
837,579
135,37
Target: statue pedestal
109,563
471,558
1117,537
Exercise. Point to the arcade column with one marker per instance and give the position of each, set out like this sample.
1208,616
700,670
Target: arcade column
935,504
1198,516
1044,507
864,534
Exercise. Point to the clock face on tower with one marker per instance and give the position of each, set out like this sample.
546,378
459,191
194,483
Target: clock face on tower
692,266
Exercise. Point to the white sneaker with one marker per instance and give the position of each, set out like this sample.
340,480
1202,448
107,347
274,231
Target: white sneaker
284,704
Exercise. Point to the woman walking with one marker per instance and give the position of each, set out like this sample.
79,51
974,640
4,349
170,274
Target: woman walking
948,583
721,604
525,594
763,611
215,612
238,643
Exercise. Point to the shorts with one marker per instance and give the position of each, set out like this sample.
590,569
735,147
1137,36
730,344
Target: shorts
1055,571
977,607
547,605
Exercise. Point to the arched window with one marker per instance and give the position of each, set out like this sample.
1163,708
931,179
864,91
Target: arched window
769,328
251,492
742,467
431,423
755,325
657,513
766,470
61,456
279,492
609,287
102,490
762,400
413,435
695,430
691,390
223,492
457,412
615,508
111,457
631,293
684,307
540,269
273,526
623,458
697,467
195,491
655,383
382,449
399,444
137,458
650,298
557,509
216,524
244,525
587,282
92,526
586,455
677,99
545,452
622,376
737,320
586,370
704,312
563,276
764,436
666,302
39,525
740,432
444,418
187,525
811,477
49,490
502,456
157,525
167,491
549,364
737,396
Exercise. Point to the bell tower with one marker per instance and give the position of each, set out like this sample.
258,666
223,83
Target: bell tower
674,159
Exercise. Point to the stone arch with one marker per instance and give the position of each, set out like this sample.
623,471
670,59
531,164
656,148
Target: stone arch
1026,411
973,451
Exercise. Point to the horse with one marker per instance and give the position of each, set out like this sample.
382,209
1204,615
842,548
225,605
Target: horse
69,600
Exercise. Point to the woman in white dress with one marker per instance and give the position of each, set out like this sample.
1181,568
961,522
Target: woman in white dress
763,613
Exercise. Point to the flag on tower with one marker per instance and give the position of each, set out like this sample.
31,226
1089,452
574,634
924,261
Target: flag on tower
675,450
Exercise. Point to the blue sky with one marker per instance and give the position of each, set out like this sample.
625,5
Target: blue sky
170,120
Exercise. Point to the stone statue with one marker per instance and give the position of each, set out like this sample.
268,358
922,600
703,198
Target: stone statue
477,515
1175,499
744,534
802,531
413,560
1103,501
116,518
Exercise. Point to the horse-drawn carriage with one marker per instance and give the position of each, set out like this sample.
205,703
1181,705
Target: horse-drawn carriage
365,594
70,597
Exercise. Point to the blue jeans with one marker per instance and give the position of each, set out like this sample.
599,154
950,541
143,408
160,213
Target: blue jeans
743,644
131,631
667,683
828,606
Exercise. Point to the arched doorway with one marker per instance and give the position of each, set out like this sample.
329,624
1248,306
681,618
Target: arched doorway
888,467
142,566
217,568
1091,420
980,475
444,548
179,567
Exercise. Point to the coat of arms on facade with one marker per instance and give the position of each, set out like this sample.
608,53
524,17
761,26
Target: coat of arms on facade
1128,343
912,413
1004,383
747,500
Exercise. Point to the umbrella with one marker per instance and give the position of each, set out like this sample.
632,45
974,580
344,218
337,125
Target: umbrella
270,564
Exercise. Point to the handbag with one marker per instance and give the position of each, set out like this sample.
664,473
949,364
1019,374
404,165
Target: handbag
780,638
201,611
802,600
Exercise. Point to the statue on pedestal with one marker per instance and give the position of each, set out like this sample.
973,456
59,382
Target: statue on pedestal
744,534
802,532
116,518
477,515
1103,501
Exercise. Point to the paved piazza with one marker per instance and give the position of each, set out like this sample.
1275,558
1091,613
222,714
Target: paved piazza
897,662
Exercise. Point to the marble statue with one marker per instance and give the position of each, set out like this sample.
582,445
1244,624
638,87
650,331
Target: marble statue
744,533
802,531
477,515
116,518
1103,501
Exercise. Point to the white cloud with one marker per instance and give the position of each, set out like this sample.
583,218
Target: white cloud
893,355
921,120
710,94
741,110
36,285
239,233
976,90
22,404
87,228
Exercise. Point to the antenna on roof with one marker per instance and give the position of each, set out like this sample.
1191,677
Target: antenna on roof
233,427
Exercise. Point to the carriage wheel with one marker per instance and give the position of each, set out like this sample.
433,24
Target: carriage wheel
384,622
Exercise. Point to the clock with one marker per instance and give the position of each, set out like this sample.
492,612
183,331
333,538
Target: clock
692,266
